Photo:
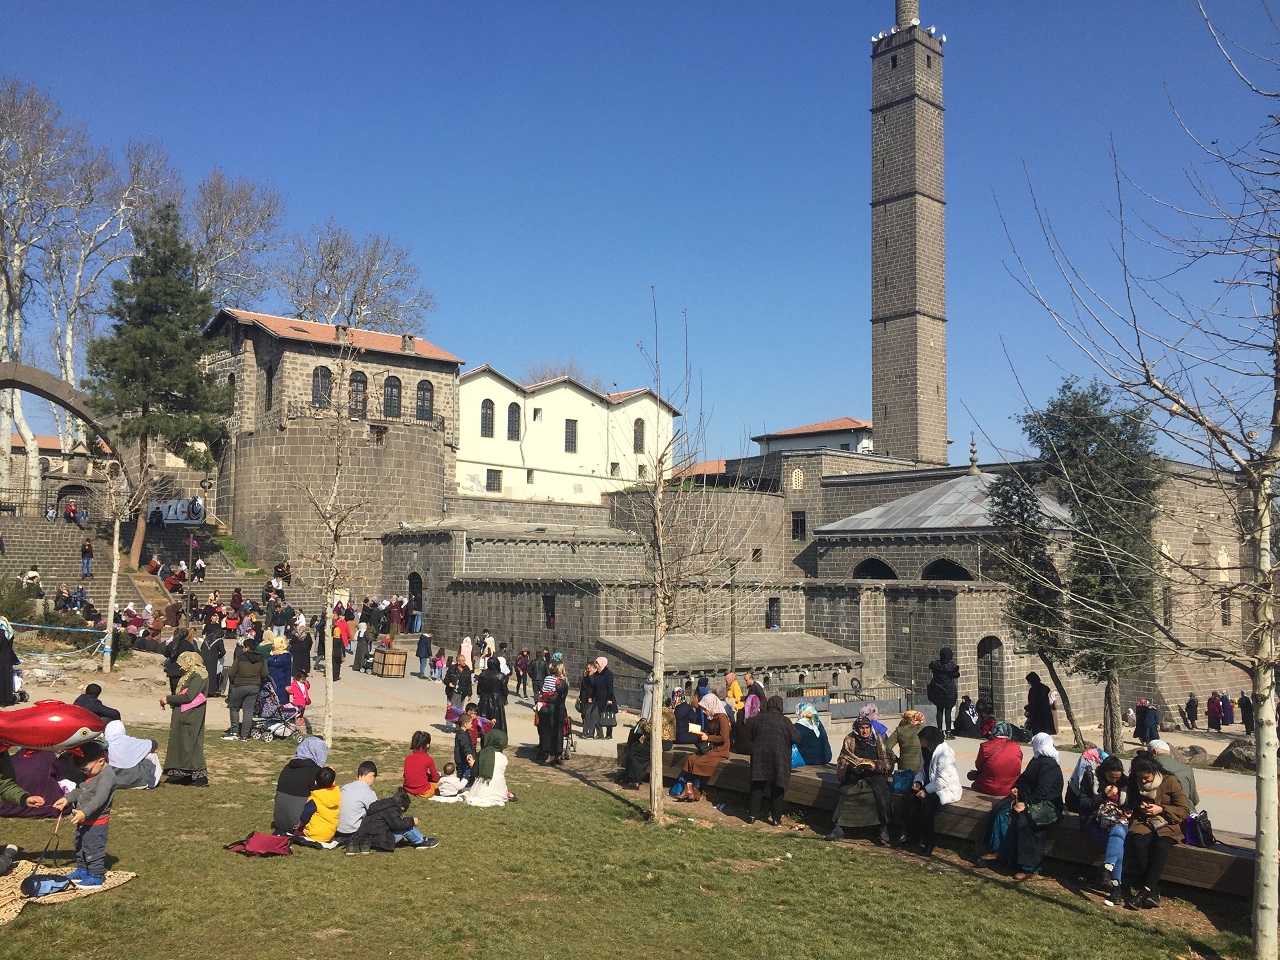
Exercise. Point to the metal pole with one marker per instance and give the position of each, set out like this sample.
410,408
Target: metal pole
733,616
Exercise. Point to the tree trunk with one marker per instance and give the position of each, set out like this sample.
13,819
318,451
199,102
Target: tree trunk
140,528
112,594
656,785
34,473
1064,700
1266,864
1112,718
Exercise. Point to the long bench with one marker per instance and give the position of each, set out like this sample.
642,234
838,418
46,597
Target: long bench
1225,868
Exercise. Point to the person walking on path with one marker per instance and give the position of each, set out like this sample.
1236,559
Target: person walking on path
605,700
1246,713
86,559
1039,707
1193,710
1214,712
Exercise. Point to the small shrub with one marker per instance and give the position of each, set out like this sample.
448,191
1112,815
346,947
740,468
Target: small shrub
16,604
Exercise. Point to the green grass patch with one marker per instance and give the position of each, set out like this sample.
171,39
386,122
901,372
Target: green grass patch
234,550
570,869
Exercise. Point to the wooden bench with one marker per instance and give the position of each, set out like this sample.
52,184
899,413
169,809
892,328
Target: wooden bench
1224,868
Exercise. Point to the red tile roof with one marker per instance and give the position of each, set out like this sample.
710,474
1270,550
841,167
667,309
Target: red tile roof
47,445
838,425
288,328
703,468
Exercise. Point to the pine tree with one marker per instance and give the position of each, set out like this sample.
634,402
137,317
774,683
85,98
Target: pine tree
147,370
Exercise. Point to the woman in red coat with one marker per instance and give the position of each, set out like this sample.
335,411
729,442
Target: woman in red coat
999,763
1214,712
715,733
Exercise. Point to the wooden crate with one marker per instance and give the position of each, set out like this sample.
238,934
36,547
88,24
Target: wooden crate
389,663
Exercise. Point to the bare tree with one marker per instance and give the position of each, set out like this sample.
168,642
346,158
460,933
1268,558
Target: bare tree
1209,366
369,284
235,230
554,369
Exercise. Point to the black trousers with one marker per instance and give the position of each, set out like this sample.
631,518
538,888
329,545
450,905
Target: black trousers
1028,841
756,798
1145,856
922,816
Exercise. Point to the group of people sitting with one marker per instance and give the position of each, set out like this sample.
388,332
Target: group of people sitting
314,811
174,578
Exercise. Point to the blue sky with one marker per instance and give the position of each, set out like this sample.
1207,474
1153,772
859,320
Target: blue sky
548,162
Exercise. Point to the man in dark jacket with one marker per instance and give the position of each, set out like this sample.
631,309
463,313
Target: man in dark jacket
247,675
89,701
385,825
13,793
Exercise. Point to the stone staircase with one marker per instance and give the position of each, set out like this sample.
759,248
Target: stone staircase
55,547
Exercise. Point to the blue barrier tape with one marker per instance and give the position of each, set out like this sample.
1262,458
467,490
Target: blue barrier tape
48,626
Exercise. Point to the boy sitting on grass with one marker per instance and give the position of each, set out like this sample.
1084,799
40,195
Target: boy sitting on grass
319,819
385,825
92,812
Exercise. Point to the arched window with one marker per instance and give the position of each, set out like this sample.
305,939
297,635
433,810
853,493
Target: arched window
637,435
359,402
486,418
391,398
873,568
513,421
321,386
944,569
426,400
271,386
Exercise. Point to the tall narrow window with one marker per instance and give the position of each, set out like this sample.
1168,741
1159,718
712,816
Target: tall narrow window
799,529
637,436
271,386
571,436
358,405
1166,603
391,398
321,386
426,400
1226,608
513,421
773,613
549,610
486,418
493,481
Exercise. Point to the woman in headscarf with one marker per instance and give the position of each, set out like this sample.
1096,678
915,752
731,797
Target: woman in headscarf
864,763
490,788
136,762
491,685
906,737
552,714
297,780
937,784
999,763
606,702
870,711
1036,804
715,734
464,651
184,756
685,715
751,708
280,667
1039,707
178,644
639,762
814,744
772,737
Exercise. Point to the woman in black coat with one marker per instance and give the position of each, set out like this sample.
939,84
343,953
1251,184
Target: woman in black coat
492,688
942,688
1040,783
297,780
587,706
772,737
606,702
1039,707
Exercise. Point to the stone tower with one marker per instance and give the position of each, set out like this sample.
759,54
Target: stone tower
908,244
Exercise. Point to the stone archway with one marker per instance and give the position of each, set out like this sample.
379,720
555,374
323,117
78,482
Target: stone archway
42,383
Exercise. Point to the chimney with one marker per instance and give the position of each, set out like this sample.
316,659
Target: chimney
342,333
407,343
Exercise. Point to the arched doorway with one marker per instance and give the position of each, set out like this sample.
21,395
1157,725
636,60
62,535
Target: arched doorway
990,669
415,601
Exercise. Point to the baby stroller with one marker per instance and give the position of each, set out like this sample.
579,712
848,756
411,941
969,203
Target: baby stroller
273,720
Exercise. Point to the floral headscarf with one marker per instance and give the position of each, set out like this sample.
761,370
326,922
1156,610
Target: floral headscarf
870,712
807,716
677,696
1002,730
711,704
192,665
912,718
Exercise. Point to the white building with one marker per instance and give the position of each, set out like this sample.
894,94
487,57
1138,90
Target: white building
842,433
558,440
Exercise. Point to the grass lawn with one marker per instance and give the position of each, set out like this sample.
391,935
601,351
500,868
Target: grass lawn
570,870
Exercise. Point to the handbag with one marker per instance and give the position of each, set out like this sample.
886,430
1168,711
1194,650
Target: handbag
608,718
796,759
1109,815
902,781
702,747
1198,830
1042,813
42,884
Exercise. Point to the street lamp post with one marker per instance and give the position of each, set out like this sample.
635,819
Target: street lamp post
733,613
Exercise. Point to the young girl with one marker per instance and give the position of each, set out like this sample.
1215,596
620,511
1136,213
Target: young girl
319,820
300,697
420,775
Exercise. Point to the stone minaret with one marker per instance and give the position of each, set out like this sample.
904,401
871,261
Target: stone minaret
908,244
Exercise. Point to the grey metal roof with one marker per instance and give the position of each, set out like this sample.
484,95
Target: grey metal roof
771,649
958,504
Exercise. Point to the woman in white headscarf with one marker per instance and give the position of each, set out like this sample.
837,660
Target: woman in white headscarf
1036,805
136,762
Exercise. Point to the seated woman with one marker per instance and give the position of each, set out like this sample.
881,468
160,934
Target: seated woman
283,572
1100,801
174,581
968,722
871,712
715,734
297,780
639,761
62,599
684,716
136,762
937,784
865,759
999,763
814,745
420,774
490,788
1157,807
1036,805
906,737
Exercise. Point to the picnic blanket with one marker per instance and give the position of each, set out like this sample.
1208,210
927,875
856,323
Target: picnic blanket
12,901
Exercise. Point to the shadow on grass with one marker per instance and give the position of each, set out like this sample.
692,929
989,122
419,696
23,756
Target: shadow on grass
592,779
